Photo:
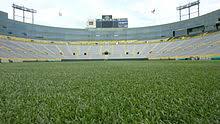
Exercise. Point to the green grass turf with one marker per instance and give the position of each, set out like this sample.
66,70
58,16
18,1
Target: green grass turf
110,92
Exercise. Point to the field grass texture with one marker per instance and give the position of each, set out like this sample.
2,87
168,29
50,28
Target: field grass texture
110,92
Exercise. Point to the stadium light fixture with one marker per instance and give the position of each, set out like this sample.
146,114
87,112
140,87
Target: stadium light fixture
188,6
24,9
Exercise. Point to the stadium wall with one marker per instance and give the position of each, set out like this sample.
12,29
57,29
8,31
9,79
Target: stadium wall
205,23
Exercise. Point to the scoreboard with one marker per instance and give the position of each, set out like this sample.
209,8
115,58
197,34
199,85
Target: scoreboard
108,22
123,23
106,17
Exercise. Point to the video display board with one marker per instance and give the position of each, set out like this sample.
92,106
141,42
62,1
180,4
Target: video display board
108,22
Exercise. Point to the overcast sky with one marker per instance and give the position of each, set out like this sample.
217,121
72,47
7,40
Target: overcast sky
75,13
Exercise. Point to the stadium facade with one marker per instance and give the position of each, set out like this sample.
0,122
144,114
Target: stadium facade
20,42
205,23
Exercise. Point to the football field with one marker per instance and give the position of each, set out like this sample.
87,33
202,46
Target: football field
110,92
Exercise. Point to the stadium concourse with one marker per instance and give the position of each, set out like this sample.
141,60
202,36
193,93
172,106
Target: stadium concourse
197,38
